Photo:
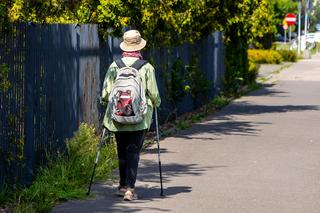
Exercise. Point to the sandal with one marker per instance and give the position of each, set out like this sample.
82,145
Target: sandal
130,195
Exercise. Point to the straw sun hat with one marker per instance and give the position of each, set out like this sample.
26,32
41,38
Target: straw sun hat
132,41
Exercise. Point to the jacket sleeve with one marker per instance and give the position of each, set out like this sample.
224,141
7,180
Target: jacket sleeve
152,88
108,82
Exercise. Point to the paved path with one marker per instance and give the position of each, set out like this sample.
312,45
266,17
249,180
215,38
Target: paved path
267,71
260,154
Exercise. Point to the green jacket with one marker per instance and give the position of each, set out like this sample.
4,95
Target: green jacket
152,96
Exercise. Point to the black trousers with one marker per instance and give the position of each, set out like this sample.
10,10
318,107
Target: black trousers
129,145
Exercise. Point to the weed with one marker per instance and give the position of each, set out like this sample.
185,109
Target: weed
197,117
182,124
220,101
4,198
262,79
65,177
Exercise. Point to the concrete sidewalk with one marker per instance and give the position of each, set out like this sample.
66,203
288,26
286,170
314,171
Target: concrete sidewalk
268,71
259,154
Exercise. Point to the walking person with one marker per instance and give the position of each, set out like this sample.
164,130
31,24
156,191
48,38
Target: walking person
129,114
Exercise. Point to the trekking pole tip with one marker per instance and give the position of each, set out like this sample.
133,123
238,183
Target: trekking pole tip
161,194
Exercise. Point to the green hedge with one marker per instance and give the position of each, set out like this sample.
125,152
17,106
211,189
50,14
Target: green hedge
265,56
288,55
272,56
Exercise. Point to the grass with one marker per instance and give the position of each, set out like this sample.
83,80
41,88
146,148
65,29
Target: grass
183,124
264,79
4,195
281,68
220,101
65,177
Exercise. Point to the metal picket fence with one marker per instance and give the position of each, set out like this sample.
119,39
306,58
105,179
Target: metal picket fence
56,73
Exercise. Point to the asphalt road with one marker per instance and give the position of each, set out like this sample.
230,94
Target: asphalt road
260,154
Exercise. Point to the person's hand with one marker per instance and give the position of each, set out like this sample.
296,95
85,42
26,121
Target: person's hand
103,101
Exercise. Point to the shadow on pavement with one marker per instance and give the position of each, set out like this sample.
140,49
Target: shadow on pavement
244,108
154,150
149,170
225,122
105,199
267,90
219,128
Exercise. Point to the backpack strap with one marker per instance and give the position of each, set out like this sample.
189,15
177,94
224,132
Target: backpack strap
120,63
138,64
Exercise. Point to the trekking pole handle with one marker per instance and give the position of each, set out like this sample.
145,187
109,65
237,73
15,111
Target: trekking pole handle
157,124
102,138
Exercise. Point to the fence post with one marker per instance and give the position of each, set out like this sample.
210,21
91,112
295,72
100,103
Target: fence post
29,106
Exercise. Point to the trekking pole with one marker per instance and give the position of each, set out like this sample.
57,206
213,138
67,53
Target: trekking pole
96,160
158,143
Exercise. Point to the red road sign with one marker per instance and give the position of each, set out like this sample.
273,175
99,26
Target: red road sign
290,19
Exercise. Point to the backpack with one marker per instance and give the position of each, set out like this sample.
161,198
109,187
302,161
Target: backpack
127,100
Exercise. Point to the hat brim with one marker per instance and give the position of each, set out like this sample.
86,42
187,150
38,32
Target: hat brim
132,48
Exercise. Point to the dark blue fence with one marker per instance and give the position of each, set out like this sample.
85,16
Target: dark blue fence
56,73
210,53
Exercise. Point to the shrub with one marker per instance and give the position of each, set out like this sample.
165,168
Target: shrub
64,177
181,125
237,66
82,149
174,86
197,83
288,55
252,72
220,101
265,56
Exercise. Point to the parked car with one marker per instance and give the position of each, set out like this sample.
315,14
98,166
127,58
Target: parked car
280,37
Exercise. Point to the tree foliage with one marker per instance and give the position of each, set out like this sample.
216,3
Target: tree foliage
315,17
282,8
247,21
3,15
166,22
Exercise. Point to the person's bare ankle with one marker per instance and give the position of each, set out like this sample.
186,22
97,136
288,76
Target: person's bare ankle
121,190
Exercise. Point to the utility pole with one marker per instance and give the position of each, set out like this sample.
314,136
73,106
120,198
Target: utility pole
306,22
299,28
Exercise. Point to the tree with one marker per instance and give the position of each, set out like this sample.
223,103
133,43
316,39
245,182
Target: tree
281,9
245,21
163,22
166,22
315,17
3,15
